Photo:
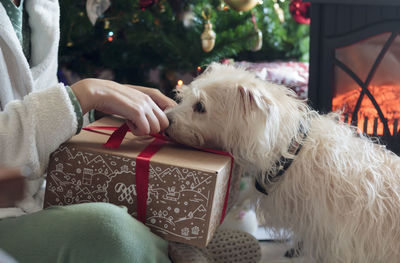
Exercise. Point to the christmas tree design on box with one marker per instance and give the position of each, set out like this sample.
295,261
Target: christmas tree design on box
186,187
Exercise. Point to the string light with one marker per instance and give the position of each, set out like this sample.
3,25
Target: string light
110,36
179,83
198,68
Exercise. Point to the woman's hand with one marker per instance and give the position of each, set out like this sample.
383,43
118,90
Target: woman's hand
139,107
12,186
160,99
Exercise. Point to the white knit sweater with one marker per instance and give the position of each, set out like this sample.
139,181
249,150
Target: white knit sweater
36,113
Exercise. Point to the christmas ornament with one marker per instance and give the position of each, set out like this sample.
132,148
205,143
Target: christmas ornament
96,8
257,41
106,24
188,17
146,3
135,18
242,5
222,6
279,11
161,5
300,11
208,36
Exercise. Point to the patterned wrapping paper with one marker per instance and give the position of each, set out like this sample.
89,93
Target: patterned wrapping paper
186,190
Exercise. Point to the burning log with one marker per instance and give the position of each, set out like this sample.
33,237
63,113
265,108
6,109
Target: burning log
387,97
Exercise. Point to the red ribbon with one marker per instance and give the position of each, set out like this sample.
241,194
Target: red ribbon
115,139
142,176
143,163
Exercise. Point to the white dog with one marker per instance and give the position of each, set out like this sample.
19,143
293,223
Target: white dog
334,190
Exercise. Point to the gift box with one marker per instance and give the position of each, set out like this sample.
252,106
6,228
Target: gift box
181,195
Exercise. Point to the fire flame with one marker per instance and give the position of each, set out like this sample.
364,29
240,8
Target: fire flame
387,97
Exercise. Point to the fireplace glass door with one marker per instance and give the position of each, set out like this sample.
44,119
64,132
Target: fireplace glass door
366,84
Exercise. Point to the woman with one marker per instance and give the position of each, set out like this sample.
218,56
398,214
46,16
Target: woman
37,115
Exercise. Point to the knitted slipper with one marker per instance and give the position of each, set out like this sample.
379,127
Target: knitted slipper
227,246
233,246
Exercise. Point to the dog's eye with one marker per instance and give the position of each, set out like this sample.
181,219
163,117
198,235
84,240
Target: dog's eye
199,107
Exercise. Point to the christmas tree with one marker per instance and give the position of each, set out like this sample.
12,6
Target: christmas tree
131,37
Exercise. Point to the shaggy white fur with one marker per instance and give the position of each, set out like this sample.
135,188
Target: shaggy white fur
340,197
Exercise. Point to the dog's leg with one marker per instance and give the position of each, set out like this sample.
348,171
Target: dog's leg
294,252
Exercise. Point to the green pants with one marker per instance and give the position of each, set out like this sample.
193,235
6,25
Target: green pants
95,232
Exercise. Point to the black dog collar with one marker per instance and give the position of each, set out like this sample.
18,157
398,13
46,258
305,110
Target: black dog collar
283,163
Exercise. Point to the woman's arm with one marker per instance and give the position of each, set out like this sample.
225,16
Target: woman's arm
32,128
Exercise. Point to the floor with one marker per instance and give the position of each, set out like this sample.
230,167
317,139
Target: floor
272,251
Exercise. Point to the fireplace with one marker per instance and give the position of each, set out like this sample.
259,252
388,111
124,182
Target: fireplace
355,64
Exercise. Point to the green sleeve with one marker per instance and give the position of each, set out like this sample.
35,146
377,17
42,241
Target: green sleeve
77,108
92,116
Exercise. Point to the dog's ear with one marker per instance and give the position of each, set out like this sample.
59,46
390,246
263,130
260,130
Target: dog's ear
249,100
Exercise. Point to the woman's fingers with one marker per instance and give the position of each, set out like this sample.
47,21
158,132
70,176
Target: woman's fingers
162,119
163,101
156,118
138,129
157,96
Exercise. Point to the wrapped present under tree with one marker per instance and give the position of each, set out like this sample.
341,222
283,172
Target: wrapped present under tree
186,188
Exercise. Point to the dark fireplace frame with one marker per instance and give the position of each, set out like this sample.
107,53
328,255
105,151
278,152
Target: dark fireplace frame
339,23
